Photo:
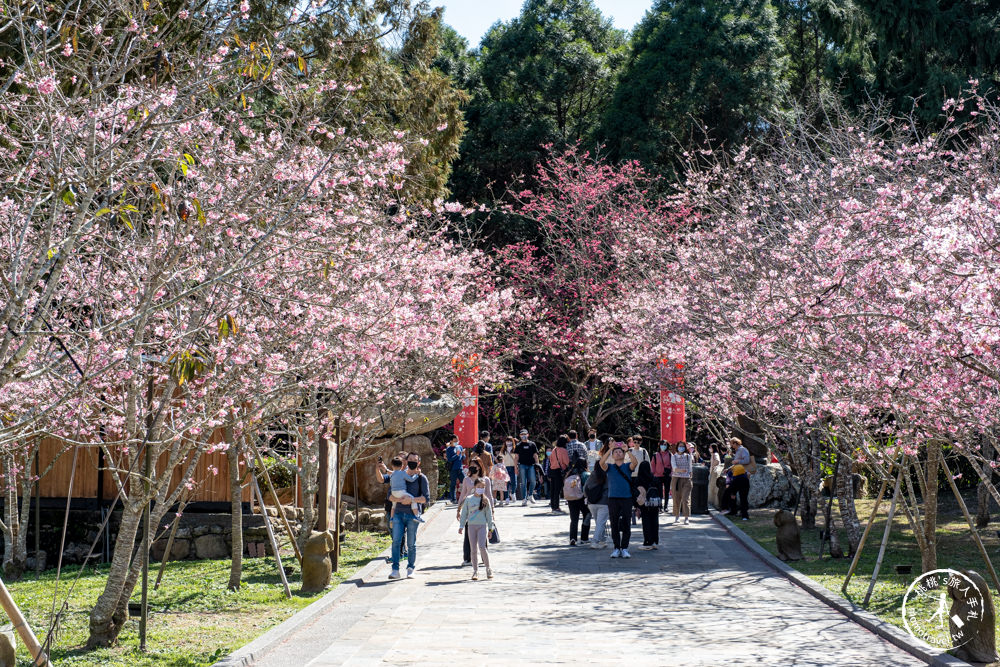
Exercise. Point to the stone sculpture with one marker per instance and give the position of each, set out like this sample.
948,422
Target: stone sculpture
8,646
975,611
316,565
788,538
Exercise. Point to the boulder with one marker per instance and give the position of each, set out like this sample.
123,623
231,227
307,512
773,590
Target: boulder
770,486
210,547
751,434
423,416
179,550
371,490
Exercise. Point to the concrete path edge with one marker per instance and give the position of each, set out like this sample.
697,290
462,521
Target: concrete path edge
247,655
887,631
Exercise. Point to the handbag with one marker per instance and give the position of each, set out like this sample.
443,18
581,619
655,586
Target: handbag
494,536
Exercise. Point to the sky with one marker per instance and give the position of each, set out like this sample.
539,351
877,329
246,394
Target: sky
472,18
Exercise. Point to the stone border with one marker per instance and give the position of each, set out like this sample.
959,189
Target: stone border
258,648
865,619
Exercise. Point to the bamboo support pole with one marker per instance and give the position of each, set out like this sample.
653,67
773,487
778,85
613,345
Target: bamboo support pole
885,535
868,528
271,537
972,526
170,544
274,495
21,626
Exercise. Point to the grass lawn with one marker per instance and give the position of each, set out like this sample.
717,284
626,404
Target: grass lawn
956,550
194,619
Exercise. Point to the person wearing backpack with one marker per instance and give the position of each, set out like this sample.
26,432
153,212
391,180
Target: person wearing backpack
620,496
596,491
577,501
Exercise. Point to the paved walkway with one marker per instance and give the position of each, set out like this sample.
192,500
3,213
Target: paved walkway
702,599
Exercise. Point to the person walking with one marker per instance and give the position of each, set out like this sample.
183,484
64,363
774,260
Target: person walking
477,518
596,490
619,495
649,501
469,489
404,519
558,465
454,456
573,491
680,482
661,472
483,456
510,463
484,440
526,458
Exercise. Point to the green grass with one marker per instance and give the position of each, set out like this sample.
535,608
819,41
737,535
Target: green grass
194,620
956,550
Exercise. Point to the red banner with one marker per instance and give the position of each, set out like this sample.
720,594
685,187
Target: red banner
467,421
672,426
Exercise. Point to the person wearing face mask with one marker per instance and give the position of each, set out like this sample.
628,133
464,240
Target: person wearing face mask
680,481
404,521
634,444
661,466
619,495
477,517
469,489
526,458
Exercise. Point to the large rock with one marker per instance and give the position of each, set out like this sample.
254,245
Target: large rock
751,434
371,491
210,547
424,415
770,486
179,550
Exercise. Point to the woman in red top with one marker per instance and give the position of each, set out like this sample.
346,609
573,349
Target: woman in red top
661,472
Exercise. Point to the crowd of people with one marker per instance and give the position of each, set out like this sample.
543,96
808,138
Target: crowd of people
607,483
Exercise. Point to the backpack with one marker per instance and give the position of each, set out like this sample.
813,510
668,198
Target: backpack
594,491
572,488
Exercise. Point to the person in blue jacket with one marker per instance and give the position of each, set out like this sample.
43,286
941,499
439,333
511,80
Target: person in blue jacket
455,459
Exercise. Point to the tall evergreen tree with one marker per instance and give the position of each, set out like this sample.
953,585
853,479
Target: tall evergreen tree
542,78
700,71
924,50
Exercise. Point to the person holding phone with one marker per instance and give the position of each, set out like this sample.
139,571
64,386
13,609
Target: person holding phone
619,495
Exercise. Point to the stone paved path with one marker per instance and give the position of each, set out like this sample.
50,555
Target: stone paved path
702,599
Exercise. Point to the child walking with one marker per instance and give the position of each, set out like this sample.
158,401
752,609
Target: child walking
477,515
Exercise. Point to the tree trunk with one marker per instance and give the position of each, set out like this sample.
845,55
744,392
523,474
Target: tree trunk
15,556
236,507
848,511
983,501
929,489
831,529
107,617
309,479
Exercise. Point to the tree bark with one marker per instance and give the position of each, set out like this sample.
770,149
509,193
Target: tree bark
236,508
107,618
983,501
848,511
